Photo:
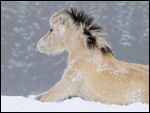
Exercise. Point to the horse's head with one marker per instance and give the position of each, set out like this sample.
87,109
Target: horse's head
70,29
52,41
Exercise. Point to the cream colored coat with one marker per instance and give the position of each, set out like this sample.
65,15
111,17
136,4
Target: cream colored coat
91,74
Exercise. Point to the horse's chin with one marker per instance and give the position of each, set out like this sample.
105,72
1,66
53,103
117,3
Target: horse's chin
49,53
43,51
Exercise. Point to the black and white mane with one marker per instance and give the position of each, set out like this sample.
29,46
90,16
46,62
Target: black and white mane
81,18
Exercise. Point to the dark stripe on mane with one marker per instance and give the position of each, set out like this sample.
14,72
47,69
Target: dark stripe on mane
96,27
91,40
86,32
105,50
80,17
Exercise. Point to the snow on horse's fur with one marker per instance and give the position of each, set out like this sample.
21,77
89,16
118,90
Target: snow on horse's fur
93,72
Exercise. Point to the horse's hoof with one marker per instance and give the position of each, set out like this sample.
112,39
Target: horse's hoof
38,97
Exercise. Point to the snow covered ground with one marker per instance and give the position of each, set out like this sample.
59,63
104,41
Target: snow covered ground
28,104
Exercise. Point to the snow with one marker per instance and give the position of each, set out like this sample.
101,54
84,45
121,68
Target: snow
113,70
78,76
134,96
28,104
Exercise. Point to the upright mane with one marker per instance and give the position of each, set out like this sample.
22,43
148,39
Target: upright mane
90,27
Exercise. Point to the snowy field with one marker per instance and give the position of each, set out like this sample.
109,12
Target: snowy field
28,104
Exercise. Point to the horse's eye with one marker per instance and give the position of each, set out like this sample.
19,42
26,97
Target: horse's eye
51,30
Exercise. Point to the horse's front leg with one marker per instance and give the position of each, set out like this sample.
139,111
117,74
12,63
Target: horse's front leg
59,92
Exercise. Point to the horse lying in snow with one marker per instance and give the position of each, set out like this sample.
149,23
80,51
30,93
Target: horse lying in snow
93,72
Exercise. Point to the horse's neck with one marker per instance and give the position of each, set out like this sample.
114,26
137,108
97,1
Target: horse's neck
74,55
88,55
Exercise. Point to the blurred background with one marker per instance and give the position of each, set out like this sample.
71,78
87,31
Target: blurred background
24,71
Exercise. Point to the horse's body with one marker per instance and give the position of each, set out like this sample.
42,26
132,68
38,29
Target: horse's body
109,80
95,74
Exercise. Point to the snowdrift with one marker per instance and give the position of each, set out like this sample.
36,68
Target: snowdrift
29,104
